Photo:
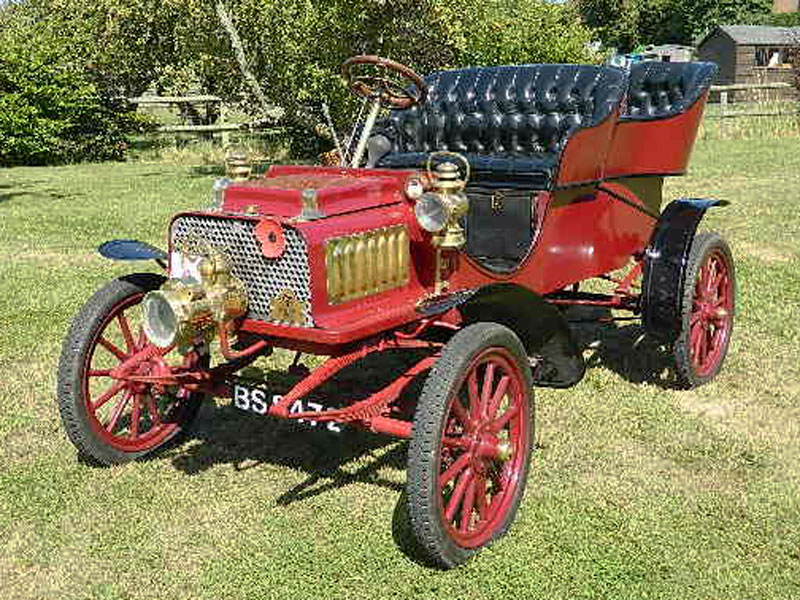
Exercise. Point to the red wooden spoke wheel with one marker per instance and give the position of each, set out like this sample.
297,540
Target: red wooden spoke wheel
471,446
708,311
112,417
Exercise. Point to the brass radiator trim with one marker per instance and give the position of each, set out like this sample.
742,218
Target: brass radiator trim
367,263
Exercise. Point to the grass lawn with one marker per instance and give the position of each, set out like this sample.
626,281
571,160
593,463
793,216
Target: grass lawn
636,491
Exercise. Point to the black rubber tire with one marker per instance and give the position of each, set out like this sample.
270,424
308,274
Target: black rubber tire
431,539
703,245
78,343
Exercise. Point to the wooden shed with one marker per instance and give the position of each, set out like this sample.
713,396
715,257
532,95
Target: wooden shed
751,53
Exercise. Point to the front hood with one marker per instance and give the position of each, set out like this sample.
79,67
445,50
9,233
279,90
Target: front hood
315,192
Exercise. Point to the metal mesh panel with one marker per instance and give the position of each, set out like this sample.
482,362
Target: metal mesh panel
263,277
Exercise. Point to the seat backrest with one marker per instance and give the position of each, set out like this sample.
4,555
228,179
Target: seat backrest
658,90
509,110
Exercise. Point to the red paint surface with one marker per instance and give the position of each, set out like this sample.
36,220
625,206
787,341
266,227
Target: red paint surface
662,146
338,190
585,155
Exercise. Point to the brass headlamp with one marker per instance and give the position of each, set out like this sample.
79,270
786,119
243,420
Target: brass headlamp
184,310
440,211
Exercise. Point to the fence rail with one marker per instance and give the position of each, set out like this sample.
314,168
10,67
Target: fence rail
217,118
724,100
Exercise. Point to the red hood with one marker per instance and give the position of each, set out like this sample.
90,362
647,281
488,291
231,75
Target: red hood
337,190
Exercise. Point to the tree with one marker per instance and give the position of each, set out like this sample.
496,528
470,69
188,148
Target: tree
627,23
295,48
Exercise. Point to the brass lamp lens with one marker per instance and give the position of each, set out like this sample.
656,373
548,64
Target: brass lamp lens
160,321
432,212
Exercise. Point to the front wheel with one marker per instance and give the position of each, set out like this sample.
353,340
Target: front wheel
471,444
114,420
709,302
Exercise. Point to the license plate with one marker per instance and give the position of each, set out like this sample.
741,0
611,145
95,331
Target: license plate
257,400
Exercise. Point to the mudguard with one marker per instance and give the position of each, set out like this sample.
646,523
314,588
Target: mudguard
665,263
131,250
540,326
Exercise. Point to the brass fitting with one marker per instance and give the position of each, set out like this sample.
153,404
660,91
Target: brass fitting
185,310
449,185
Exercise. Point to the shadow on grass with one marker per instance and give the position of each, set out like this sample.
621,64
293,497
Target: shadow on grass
11,191
206,170
623,347
330,459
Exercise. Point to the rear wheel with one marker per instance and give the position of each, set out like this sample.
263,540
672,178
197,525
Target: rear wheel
709,303
109,418
472,439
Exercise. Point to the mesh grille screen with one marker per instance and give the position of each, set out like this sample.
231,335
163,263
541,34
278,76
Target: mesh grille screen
263,277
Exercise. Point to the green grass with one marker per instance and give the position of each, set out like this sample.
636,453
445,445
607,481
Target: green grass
636,491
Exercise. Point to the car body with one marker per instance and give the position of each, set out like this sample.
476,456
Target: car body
488,196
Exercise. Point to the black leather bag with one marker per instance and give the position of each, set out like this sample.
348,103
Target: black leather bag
499,225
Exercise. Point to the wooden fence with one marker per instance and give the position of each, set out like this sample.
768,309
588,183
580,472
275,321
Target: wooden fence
725,112
216,114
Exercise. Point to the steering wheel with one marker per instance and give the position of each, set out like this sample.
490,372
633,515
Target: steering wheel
392,93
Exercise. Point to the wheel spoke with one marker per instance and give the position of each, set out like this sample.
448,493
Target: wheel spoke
467,506
112,348
500,423
112,423
480,498
486,391
459,412
458,495
455,442
108,395
708,276
453,470
152,409
125,328
702,354
135,416
474,398
499,393
714,284
99,373
141,339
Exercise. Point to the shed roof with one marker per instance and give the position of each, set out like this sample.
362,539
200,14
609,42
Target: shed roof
758,35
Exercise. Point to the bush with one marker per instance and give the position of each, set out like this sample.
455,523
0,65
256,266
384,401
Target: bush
53,110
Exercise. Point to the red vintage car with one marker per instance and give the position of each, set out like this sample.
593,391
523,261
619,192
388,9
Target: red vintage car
458,225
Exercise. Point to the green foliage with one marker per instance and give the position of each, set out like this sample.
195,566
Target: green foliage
53,109
776,19
626,24
295,48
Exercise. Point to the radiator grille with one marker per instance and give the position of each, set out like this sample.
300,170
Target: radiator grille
265,278
367,263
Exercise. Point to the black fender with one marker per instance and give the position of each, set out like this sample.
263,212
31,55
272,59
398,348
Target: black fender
132,250
665,263
540,326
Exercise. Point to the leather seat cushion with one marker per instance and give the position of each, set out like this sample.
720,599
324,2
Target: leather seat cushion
658,90
511,120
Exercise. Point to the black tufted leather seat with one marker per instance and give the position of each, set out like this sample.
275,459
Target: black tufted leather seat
512,123
658,90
